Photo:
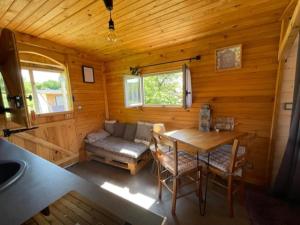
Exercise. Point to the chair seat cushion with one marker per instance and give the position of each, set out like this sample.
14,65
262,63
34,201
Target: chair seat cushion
186,162
220,158
118,146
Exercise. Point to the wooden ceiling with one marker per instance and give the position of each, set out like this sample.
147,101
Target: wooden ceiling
141,25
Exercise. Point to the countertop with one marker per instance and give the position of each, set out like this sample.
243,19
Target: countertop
43,183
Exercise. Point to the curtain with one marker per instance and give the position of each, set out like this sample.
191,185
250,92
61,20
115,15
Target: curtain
287,183
187,86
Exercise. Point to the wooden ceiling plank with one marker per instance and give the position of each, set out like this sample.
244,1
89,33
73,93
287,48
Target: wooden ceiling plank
25,13
4,6
61,7
174,27
183,11
83,19
43,10
170,22
13,11
142,18
40,28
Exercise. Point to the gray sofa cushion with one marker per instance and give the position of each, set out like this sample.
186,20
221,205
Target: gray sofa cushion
118,146
143,133
130,131
119,129
95,136
109,125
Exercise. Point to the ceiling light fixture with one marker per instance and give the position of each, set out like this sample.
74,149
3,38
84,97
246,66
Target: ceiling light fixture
111,36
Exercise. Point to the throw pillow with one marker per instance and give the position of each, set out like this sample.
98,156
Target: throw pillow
109,125
96,136
119,129
143,133
130,131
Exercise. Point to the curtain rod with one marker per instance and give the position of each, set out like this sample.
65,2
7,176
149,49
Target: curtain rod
135,70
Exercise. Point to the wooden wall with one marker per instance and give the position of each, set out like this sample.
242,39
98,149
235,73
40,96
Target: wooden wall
246,94
283,117
59,137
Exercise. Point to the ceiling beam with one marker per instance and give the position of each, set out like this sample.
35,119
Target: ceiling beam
288,10
291,33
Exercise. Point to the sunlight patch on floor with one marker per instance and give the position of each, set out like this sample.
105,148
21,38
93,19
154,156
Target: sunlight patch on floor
124,192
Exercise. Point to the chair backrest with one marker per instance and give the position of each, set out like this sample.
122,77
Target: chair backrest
161,141
236,161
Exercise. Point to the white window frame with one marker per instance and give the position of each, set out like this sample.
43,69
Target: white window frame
142,90
127,105
34,94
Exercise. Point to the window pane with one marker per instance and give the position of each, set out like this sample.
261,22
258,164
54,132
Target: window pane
50,92
132,91
3,92
163,89
28,89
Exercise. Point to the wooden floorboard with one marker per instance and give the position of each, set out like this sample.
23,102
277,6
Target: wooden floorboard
75,209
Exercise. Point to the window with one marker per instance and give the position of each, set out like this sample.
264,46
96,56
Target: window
160,89
133,94
3,92
49,90
163,89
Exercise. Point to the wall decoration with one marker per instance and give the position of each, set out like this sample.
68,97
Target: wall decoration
229,58
88,74
205,117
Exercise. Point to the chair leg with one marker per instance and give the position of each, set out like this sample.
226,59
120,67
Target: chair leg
174,195
199,187
153,167
242,192
229,196
199,184
159,181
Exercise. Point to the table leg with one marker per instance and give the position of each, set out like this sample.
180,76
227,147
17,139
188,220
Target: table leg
203,210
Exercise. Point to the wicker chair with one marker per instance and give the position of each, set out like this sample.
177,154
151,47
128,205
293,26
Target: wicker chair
173,165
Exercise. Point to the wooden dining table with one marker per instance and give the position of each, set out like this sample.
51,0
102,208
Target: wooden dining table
204,143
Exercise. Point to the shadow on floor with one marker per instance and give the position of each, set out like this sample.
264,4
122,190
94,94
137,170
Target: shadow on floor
142,190
266,210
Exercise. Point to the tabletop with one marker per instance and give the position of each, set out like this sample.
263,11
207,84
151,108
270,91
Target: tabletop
204,142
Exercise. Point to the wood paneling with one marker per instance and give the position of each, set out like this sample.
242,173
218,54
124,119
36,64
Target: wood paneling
292,30
140,25
283,117
246,94
61,134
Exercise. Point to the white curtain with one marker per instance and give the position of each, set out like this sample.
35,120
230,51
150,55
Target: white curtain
187,86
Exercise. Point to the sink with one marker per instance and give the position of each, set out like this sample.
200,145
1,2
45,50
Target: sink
10,172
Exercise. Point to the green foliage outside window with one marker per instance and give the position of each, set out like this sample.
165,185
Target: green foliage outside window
163,89
49,84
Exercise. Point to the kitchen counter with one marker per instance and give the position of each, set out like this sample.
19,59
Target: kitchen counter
43,183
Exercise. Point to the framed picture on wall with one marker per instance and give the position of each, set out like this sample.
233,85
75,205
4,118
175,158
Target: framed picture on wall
229,58
88,74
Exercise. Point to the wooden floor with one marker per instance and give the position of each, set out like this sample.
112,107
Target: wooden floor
143,186
75,209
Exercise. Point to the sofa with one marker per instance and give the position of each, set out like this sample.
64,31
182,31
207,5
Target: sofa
124,145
